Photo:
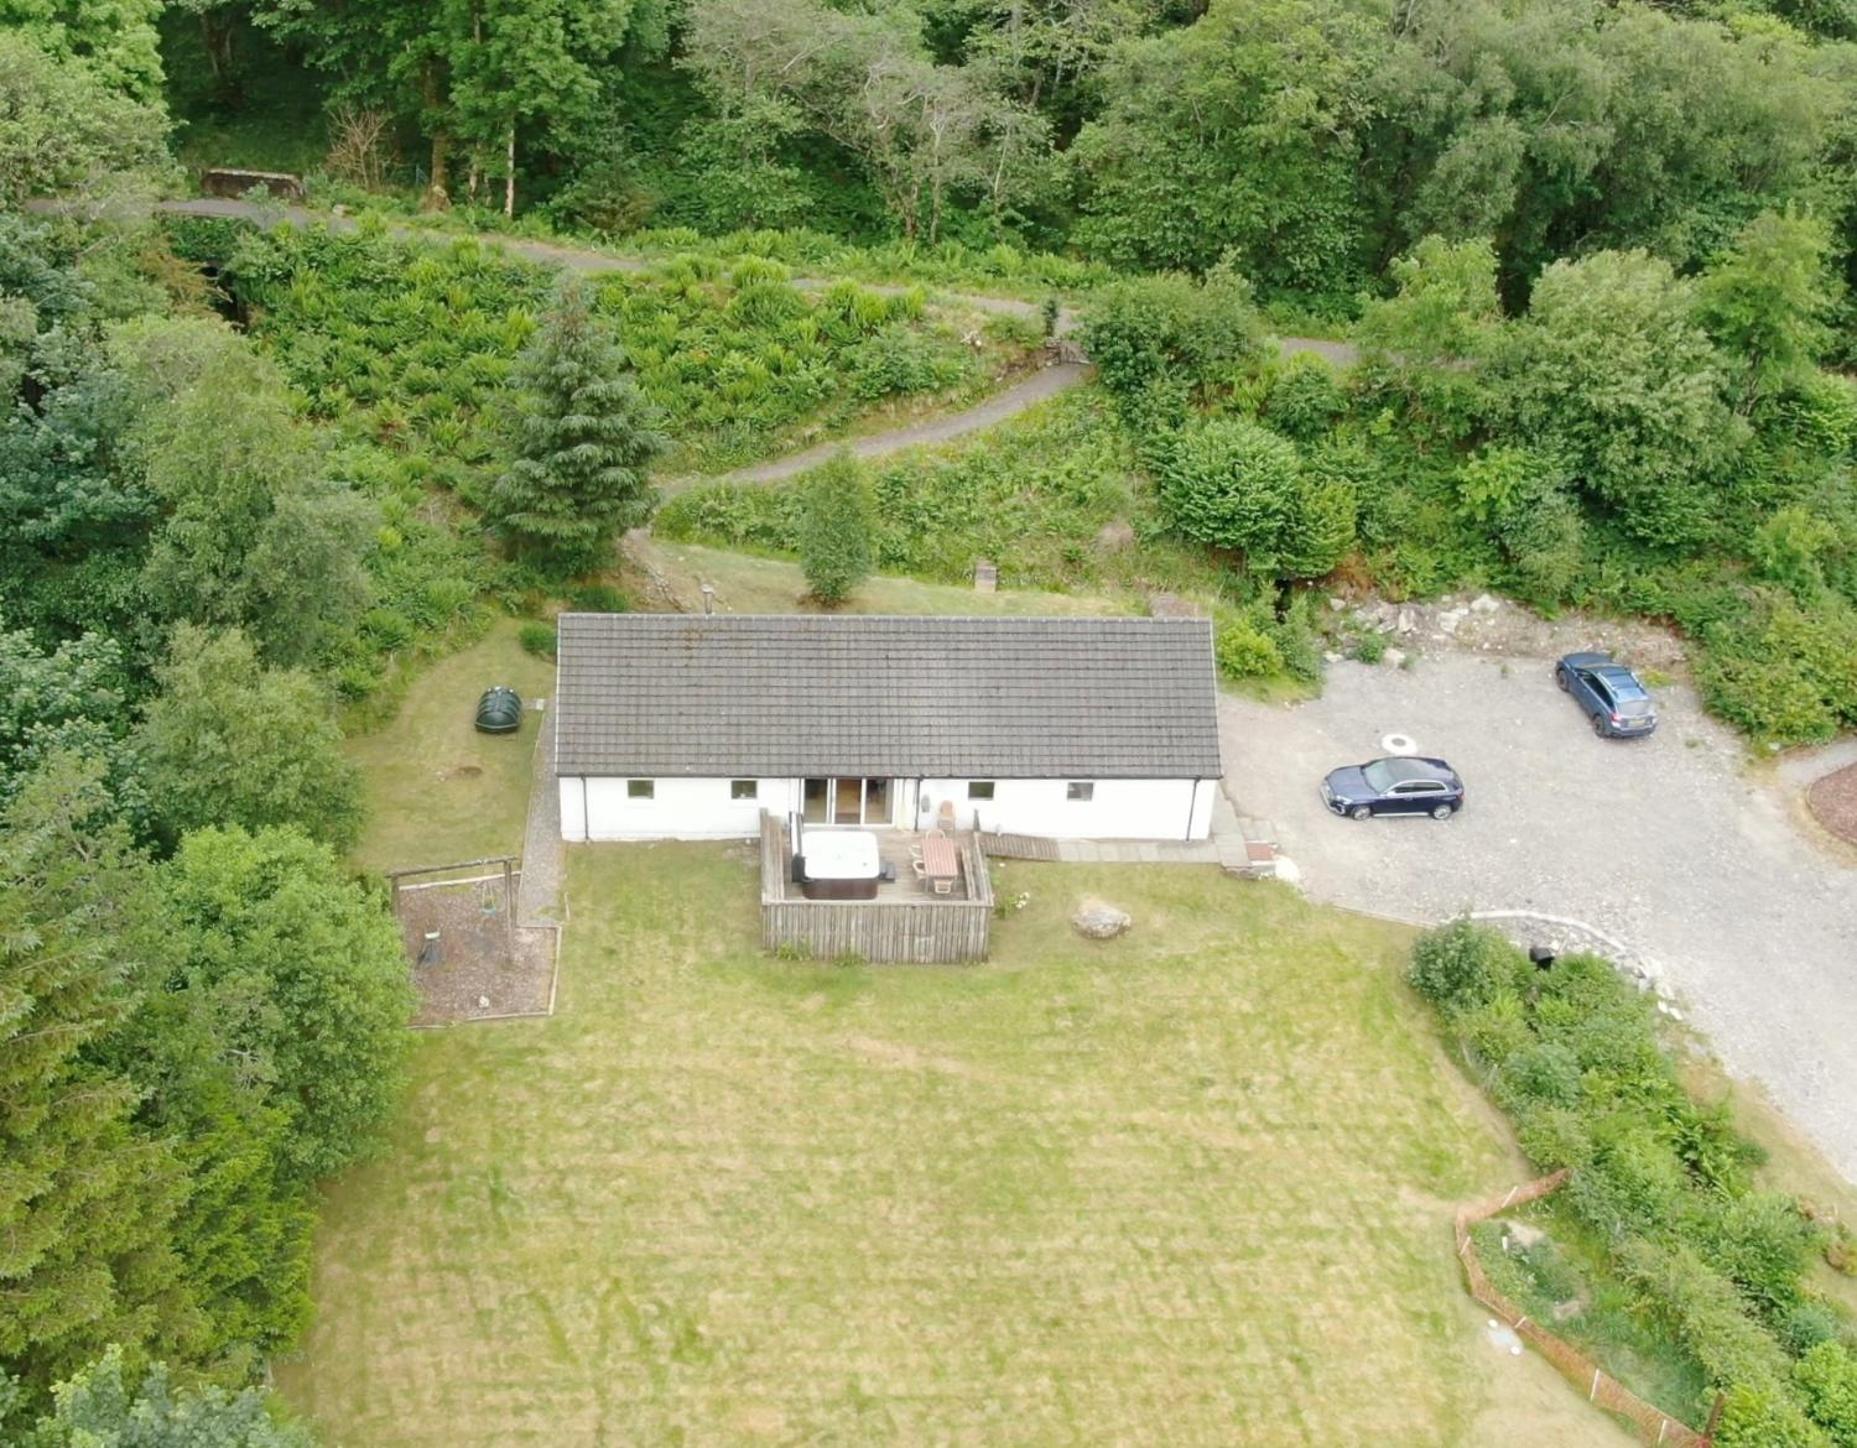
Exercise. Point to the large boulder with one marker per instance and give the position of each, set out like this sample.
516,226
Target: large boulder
1099,920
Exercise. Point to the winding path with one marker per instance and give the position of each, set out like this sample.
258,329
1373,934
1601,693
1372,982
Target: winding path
1007,403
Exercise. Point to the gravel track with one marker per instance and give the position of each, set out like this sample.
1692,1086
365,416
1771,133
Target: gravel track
1008,403
1672,844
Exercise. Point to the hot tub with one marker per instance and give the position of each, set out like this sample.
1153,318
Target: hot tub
839,865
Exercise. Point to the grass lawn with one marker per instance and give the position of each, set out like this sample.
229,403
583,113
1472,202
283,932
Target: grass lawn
1193,1185
437,790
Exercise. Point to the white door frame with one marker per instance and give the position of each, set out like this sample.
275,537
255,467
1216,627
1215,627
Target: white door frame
832,821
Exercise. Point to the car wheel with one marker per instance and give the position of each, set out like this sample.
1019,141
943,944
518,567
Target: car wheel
1442,812
1359,812
1560,677
1599,726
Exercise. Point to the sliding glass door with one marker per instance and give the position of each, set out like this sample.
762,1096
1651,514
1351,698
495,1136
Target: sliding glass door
839,801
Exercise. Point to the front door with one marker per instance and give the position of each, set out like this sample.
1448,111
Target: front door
845,801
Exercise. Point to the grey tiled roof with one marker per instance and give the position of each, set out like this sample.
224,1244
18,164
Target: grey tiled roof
793,695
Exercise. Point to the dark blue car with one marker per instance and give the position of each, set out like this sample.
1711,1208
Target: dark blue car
1619,706
1395,786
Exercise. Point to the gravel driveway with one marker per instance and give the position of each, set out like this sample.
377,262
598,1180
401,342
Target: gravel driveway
1669,844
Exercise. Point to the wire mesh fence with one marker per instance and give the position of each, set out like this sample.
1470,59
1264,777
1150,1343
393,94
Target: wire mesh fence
1652,1424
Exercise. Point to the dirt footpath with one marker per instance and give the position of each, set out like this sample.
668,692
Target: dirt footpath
1705,868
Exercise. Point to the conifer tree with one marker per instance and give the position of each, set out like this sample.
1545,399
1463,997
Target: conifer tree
85,1205
587,435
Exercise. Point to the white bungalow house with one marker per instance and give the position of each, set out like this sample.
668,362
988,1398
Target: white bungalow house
673,726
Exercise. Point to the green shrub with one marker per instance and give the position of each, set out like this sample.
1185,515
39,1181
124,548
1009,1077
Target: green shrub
835,530
1633,1182
1547,1072
1789,549
1764,1417
1782,672
1297,639
1706,1314
1826,1378
1304,399
1158,341
1463,964
598,598
1809,1323
1244,651
897,361
1231,483
538,639
1554,1137
1493,1030
1762,1244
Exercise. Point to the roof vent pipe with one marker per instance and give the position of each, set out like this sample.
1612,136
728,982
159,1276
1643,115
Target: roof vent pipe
709,599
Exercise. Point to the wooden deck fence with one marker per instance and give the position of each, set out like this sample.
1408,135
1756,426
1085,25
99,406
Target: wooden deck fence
926,931
1652,1424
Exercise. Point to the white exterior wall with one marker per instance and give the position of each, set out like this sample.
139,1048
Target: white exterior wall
1121,809
701,809
679,809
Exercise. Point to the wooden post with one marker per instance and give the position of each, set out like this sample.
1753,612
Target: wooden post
509,913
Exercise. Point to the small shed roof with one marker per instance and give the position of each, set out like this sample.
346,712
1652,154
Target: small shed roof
796,695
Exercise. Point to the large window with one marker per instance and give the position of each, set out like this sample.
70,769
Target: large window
744,789
980,789
641,789
1083,789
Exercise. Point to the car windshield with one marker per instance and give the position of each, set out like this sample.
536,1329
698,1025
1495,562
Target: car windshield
1634,708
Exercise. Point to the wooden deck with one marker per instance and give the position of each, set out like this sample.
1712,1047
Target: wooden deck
904,924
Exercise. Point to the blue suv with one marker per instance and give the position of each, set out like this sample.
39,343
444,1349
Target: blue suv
1620,706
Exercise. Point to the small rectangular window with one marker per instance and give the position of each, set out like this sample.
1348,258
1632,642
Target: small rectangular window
641,789
744,789
1080,789
980,789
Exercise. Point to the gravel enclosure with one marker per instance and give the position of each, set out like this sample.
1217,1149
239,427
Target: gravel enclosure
485,968
1700,864
1833,801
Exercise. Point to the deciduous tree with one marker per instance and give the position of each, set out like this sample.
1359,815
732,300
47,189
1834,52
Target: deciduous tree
228,741
835,531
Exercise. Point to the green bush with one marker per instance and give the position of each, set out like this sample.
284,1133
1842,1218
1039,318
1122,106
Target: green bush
835,531
1233,484
1159,341
1547,1072
1244,651
1706,1314
1763,1245
1463,964
1826,1378
598,598
1809,1323
1765,1417
1304,399
1782,672
897,360
538,639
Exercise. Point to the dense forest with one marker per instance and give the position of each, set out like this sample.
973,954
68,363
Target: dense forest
1308,142
1598,261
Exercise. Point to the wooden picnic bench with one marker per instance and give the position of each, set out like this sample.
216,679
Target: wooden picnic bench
941,863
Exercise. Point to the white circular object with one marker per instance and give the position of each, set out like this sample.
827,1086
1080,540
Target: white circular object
1398,744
